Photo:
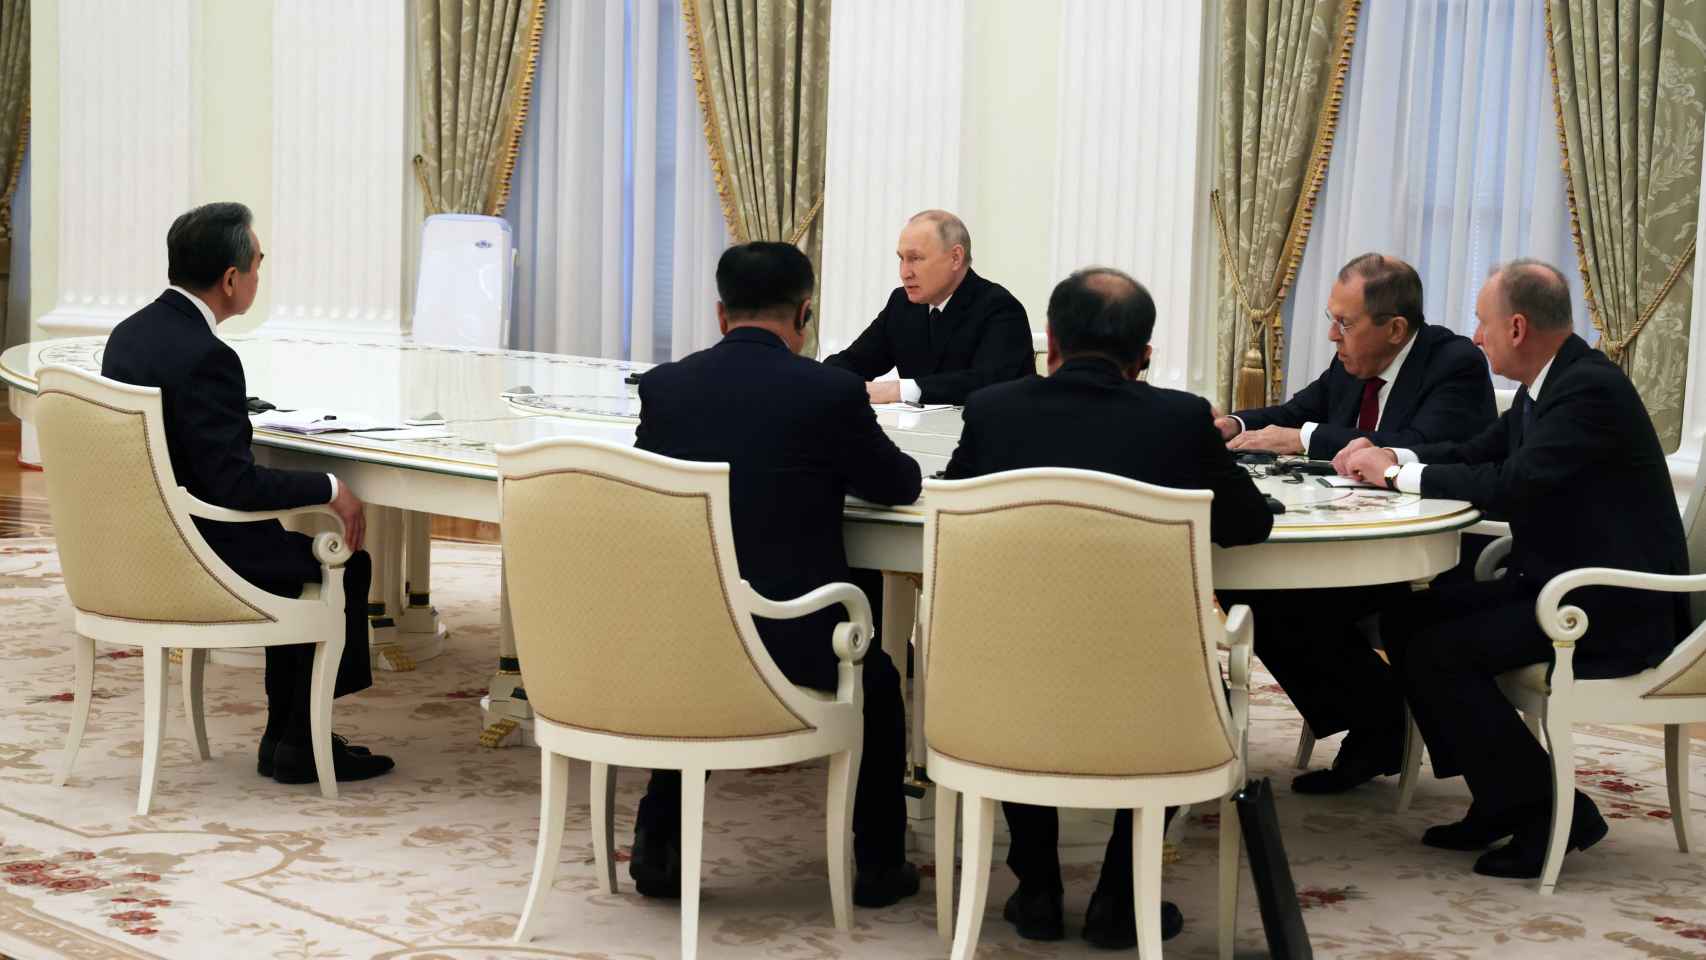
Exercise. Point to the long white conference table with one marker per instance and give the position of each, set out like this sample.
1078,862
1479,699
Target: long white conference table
1327,537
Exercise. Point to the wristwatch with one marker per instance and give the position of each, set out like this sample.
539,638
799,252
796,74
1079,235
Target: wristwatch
1391,476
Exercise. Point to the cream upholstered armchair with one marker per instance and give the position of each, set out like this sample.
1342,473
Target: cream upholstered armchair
1070,660
637,644
139,574
1672,693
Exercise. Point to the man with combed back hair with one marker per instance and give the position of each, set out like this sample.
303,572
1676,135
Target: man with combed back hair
1092,413
798,437
1576,467
1396,380
214,266
945,329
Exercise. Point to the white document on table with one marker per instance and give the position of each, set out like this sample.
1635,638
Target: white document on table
407,433
315,420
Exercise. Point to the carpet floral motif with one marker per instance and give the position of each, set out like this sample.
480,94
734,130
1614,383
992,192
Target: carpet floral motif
433,861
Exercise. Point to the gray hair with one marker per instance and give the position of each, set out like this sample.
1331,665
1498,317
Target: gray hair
207,241
949,228
1537,290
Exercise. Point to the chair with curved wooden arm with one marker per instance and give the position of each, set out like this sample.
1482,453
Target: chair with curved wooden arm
139,573
638,648
1070,659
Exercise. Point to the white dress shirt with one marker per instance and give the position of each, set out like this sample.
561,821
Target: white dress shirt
1409,479
213,327
909,389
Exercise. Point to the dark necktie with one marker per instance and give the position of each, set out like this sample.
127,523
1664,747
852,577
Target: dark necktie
1525,409
936,335
1369,417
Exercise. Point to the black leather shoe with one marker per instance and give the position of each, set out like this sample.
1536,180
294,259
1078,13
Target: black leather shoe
883,886
1037,914
1523,857
655,865
269,746
1110,924
1354,766
295,764
1469,834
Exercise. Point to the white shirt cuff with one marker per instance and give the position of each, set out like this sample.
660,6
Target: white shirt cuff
909,391
1404,454
1238,420
1409,479
1305,432
334,487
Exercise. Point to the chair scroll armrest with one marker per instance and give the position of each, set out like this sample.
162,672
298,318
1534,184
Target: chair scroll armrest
330,549
852,638
1490,564
1565,623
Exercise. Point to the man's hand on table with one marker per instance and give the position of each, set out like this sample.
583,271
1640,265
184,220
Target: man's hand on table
1369,464
1342,459
1277,439
883,391
350,510
1228,426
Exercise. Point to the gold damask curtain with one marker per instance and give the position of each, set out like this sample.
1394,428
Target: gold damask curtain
1629,80
1283,64
14,105
762,71
476,60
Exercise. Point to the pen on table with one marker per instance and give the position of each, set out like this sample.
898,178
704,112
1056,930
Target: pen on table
913,403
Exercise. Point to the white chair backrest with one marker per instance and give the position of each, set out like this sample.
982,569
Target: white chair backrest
624,594
1039,351
127,547
462,294
1068,612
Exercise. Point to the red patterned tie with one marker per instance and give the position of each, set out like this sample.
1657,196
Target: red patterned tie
1369,418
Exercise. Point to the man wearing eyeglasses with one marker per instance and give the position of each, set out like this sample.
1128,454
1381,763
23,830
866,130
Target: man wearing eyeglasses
1395,380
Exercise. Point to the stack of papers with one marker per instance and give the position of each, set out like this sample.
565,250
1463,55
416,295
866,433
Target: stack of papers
311,421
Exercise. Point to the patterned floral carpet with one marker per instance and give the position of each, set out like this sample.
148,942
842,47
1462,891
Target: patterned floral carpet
433,860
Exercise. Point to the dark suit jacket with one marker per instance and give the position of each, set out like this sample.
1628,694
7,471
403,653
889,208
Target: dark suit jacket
987,340
1442,393
798,437
1088,416
1587,487
167,344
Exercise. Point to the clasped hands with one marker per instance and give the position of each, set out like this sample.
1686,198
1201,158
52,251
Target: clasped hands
1364,461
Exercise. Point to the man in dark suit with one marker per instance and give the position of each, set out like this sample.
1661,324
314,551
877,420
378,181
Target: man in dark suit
798,437
1577,438
214,266
1398,381
1092,413
946,329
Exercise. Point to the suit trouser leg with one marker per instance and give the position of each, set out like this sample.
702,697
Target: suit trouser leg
1033,845
1309,641
1453,645
879,806
289,668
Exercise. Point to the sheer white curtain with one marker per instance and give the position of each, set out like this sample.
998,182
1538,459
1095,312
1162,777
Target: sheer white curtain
1446,155
617,222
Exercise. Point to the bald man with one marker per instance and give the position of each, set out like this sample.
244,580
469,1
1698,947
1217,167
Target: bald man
947,330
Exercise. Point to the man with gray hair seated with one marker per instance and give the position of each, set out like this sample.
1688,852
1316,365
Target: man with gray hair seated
947,330
1576,467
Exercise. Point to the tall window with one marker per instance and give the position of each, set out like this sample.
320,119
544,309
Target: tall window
1447,156
617,221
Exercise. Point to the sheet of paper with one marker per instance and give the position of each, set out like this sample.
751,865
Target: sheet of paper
314,420
909,407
